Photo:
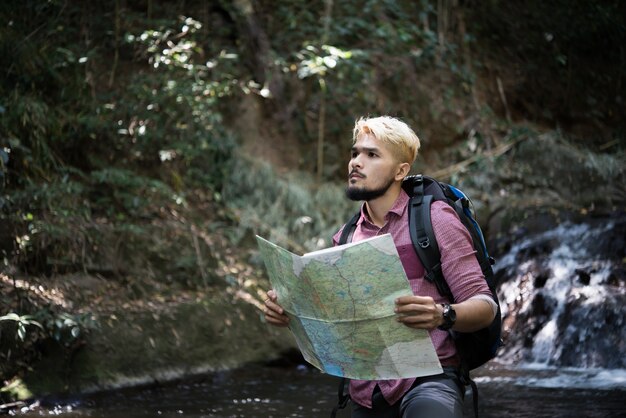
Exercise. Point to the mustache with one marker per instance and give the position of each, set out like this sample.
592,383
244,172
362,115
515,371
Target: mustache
357,172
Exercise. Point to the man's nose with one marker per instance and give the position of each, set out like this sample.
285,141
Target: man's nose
355,162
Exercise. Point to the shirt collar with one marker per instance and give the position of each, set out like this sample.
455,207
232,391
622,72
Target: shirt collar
398,208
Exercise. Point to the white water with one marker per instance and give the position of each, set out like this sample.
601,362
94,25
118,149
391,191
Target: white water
563,252
538,375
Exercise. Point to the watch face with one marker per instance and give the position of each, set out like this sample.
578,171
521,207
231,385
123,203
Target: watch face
449,317
450,313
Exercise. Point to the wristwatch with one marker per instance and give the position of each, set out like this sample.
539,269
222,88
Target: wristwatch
449,317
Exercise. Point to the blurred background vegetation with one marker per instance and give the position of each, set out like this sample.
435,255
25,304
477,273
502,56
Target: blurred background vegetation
145,142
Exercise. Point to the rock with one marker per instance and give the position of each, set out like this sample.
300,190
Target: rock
137,348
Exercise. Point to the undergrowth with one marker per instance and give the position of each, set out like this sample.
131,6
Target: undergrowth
289,209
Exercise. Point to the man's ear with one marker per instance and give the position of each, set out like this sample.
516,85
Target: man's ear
403,171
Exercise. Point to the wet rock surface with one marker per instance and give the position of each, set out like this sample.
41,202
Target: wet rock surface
562,293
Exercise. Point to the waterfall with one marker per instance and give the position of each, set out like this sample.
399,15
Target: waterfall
563,293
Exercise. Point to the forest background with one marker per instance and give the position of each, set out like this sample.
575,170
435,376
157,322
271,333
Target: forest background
144,143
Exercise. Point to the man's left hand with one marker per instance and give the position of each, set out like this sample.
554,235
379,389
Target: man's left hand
419,312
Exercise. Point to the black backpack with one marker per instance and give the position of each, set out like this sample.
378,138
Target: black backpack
474,348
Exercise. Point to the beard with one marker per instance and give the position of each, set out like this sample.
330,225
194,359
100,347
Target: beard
362,193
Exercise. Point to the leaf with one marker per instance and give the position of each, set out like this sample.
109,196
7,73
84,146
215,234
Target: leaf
10,317
4,157
75,332
21,331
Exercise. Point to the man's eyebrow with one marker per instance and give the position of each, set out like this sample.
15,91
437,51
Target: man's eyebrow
366,149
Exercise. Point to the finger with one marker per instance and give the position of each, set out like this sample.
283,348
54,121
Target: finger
271,315
413,309
413,319
277,322
411,299
275,318
270,300
427,316
418,322
269,305
276,315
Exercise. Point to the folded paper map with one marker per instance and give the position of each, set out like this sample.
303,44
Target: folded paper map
340,301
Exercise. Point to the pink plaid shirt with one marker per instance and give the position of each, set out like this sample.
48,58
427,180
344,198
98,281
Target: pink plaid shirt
460,268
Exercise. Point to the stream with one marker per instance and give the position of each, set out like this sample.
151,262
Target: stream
271,392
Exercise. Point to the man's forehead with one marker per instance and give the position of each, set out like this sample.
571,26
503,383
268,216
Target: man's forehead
368,142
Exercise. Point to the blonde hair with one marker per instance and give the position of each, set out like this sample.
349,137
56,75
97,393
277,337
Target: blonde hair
390,131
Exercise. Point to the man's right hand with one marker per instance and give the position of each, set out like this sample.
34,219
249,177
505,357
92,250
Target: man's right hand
274,313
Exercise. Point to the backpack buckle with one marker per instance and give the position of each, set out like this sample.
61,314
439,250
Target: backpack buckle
418,190
425,243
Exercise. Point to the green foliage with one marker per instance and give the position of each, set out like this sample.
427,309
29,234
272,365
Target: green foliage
79,159
110,119
66,329
121,193
63,327
377,61
21,322
170,113
21,336
290,210
175,117
312,62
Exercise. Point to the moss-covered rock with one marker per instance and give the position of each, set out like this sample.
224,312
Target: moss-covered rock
131,348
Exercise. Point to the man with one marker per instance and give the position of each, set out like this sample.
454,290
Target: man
382,153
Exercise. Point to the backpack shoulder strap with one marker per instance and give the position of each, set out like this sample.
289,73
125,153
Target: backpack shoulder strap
423,236
348,229
342,397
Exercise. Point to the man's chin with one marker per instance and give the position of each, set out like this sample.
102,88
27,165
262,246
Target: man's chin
362,194
353,193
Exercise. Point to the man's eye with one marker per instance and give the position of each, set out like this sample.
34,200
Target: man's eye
372,155
353,154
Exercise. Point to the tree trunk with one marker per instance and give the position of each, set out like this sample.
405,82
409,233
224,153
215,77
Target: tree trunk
257,55
321,125
258,48
116,54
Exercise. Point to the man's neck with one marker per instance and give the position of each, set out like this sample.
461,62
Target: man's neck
378,208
